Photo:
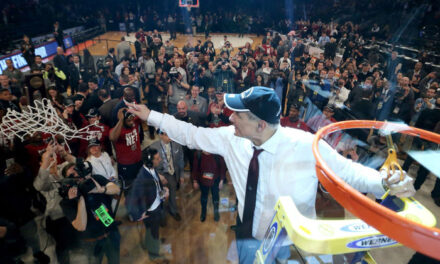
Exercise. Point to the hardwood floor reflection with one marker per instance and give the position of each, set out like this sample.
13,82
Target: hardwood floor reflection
187,241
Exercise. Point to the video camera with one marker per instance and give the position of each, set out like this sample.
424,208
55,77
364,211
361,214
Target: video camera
174,73
102,65
84,185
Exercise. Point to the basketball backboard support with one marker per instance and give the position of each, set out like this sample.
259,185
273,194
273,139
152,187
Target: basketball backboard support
189,3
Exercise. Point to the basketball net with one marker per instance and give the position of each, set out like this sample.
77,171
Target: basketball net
43,118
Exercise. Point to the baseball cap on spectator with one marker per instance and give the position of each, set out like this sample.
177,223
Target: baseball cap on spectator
94,142
295,105
260,101
77,98
93,112
68,102
330,107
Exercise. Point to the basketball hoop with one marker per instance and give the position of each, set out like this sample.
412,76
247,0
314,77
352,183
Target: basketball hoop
189,4
41,118
421,238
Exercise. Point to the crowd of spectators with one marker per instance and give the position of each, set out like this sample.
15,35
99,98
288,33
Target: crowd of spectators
344,81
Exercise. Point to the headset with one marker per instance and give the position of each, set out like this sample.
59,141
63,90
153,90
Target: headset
148,156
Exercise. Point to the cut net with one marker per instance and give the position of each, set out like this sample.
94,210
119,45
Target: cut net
41,118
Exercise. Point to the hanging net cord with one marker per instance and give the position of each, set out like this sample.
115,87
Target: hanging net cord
41,118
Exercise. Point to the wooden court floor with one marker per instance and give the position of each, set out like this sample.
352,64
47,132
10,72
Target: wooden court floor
99,46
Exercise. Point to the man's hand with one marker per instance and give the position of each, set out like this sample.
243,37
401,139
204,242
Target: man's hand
404,188
143,216
167,193
121,113
73,193
140,110
182,181
98,188
220,185
13,169
195,185
163,180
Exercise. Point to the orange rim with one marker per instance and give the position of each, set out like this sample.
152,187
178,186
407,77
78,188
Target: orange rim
423,239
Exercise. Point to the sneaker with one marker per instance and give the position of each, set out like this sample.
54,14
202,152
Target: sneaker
216,216
202,217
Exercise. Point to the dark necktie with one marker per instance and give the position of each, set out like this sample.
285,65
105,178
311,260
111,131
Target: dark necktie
251,195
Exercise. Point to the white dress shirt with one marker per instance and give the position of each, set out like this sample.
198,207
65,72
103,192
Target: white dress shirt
287,165
156,202
102,165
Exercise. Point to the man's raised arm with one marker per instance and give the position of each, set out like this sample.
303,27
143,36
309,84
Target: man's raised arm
212,140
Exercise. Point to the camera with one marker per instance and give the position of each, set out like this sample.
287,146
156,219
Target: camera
84,185
102,65
173,74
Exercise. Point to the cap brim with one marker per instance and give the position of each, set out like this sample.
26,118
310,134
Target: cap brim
234,102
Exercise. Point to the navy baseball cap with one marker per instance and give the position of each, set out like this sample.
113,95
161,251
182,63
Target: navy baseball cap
260,101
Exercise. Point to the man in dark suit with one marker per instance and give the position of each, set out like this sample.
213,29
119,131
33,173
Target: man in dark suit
107,106
128,97
58,35
77,73
144,203
296,52
171,167
111,55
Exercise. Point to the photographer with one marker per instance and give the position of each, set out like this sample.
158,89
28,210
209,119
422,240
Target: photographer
224,77
107,78
177,90
87,204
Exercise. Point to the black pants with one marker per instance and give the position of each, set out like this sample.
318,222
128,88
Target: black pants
152,238
128,173
109,246
423,172
205,193
65,237
189,156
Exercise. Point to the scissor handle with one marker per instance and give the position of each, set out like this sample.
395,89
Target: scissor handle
391,164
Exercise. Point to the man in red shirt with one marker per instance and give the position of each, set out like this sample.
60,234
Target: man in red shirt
99,131
125,137
293,120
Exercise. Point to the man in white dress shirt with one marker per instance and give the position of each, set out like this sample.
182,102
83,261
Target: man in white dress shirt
257,150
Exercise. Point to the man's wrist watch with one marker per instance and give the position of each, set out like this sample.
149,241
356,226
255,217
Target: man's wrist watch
105,190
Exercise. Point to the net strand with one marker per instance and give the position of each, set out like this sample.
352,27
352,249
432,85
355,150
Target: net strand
44,118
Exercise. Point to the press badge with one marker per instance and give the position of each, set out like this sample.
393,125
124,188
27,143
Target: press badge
379,106
208,175
396,110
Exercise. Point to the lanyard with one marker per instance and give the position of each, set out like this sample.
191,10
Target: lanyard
164,152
